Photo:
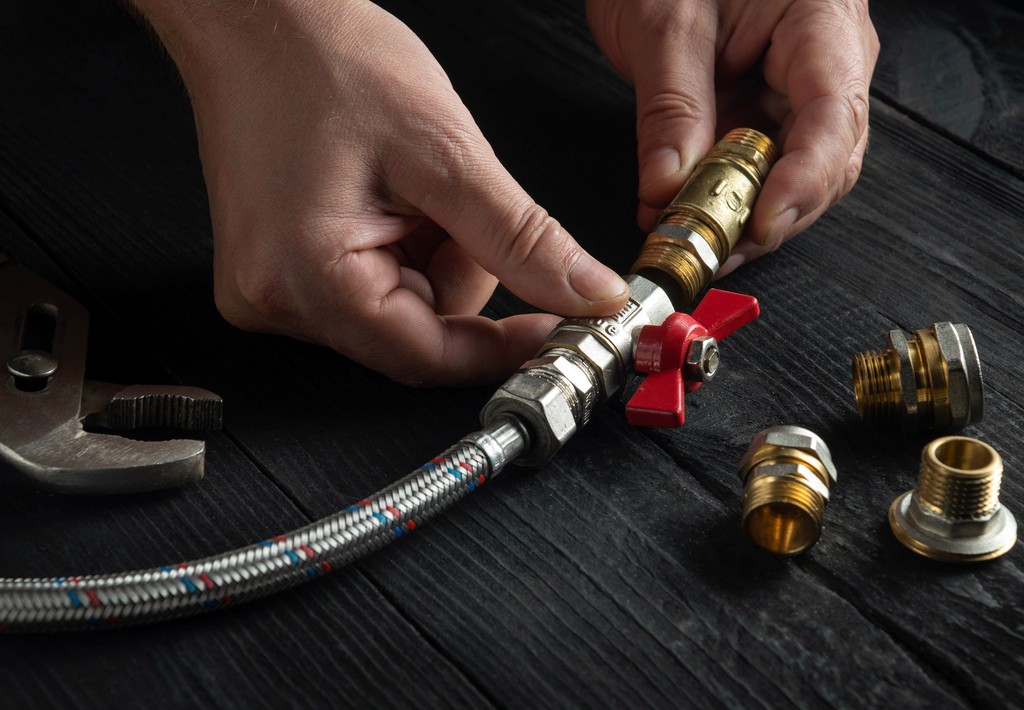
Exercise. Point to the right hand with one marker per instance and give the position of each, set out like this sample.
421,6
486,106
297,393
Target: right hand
355,202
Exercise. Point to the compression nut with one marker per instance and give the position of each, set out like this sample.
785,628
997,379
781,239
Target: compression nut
931,380
697,231
787,473
954,514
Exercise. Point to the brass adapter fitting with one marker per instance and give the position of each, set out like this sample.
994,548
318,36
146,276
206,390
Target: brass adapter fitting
697,231
931,380
954,515
787,473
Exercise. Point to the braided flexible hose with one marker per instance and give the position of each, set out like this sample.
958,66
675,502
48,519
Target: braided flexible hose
143,596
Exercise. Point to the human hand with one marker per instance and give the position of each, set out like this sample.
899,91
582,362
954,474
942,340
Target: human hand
355,202
701,67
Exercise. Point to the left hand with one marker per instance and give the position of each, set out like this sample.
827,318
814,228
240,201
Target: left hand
796,69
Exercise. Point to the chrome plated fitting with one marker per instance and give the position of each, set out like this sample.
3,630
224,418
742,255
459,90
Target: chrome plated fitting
931,380
954,514
584,363
787,473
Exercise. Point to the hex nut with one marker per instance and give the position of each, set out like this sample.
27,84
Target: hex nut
651,299
577,373
783,470
702,359
791,437
692,242
961,378
897,342
542,406
602,359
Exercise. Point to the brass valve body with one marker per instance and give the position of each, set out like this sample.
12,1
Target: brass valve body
931,380
954,514
695,234
787,473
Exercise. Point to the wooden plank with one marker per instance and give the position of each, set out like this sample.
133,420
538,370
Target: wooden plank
617,574
957,66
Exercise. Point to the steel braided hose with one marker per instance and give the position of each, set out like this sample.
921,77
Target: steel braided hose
143,596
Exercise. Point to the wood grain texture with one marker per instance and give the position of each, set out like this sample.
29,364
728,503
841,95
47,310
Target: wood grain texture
617,574
957,67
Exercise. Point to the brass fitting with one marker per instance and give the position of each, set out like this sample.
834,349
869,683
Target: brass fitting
931,380
787,473
954,514
697,231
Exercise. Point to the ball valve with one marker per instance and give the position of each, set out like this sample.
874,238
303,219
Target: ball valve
681,354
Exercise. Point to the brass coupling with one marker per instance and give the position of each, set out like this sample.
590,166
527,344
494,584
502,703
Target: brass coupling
954,514
931,380
695,234
787,474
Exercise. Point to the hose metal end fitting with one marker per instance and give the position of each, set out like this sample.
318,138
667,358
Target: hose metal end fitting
787,473
697,231
954,514
931,380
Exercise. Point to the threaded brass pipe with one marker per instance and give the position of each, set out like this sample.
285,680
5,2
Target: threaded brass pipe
954,514
787,473
695,234
929,380
960,478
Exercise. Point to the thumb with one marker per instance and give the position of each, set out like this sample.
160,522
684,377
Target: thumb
673,75
467,192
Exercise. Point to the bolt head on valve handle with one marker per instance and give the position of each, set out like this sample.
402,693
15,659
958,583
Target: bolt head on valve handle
681,354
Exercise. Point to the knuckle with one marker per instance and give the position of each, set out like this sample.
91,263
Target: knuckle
857,106
262,293
448,148
535,230
825,185
668,107
853,168
248,290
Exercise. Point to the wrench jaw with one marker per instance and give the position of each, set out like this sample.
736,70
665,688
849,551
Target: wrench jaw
48,430
81,462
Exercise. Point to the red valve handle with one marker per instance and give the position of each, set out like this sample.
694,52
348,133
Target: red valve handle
661,352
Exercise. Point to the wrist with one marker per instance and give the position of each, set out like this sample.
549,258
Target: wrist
213,41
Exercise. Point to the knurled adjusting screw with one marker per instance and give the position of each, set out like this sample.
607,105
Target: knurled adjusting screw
954,514
930,380
787,473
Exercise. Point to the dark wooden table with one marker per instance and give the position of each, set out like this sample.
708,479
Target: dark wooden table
617,575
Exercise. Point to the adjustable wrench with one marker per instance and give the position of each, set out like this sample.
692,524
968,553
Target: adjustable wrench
49,412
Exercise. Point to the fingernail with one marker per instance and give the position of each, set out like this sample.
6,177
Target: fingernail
593,281
659,164
779,229
731,264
